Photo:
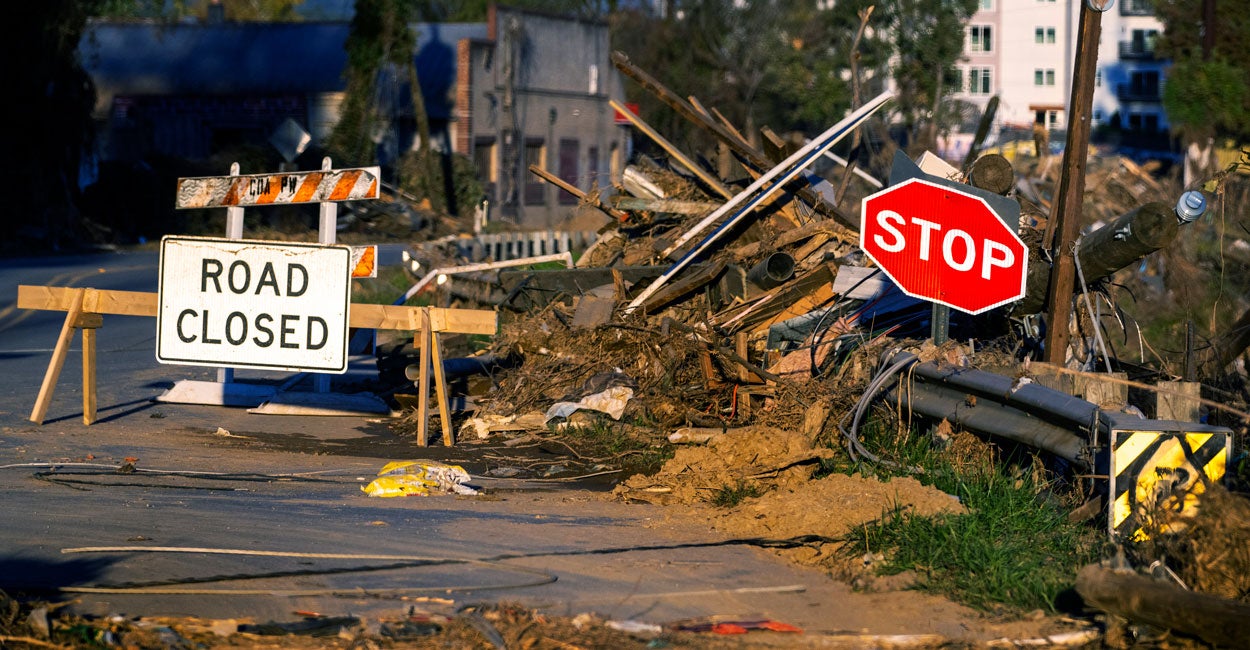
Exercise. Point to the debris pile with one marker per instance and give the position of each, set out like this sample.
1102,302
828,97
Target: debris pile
754,344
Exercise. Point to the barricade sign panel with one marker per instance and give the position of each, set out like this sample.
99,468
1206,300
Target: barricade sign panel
253,304
277,189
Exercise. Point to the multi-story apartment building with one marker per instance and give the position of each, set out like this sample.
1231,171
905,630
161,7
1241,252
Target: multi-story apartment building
1024,52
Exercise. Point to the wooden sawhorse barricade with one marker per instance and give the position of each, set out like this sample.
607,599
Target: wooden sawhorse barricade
85,309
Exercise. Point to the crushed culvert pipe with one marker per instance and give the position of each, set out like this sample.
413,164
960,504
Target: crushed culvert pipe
772,271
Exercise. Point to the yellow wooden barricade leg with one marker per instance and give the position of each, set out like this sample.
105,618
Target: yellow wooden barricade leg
58,359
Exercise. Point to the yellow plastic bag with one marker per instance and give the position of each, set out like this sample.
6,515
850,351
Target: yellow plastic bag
416,478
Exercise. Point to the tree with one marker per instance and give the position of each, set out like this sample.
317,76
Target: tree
780,63
1208,88
48,130
381,53
172,10
929,36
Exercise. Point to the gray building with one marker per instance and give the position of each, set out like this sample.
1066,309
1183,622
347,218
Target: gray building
521,88
535,91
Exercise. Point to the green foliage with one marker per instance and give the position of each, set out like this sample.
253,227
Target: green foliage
379,36
427,179
609,442
1205,97
241,10
787,63
931,42
1223,71
729,496
1013,548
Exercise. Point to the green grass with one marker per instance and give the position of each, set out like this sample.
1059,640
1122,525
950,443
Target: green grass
612,443
1014,549
729,496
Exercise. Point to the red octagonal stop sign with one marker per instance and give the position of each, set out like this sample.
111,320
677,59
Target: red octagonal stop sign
943,245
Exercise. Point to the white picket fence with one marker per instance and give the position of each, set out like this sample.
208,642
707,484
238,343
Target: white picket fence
517,245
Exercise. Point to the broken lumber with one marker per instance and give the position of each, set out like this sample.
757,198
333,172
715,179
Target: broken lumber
755,157
682,159
581,196
1144,600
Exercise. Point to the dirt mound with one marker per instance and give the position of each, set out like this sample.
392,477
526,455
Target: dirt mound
751,459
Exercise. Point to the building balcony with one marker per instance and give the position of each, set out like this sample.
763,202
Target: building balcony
1137,8
1137,93
1136,51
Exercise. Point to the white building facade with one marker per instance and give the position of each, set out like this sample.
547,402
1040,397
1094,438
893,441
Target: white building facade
1024,52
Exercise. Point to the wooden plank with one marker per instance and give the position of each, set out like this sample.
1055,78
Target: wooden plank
710,180
58,359
819,297
775,301
736,142
581,196
363,315
124,303
88,376
440,389
669,206
423,381
676,290
1181,402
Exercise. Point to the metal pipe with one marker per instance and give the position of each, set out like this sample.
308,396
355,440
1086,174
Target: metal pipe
1031,398
773,270
990,417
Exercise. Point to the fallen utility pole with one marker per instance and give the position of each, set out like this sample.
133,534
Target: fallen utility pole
1066,217
1138,598
753,156
1103,252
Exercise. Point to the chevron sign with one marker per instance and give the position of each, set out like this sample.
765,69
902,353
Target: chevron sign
277,189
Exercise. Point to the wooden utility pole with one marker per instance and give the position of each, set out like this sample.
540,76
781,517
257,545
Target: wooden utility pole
1065,222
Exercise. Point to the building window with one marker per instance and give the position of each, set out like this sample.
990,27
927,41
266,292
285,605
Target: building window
1044,77
980,39
592,167
1044,35
979,81
485,165
1098,78
1052,119
987,5
535,187
568,169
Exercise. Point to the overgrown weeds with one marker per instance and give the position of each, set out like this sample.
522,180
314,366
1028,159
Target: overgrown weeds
1014,548
729,496
628,446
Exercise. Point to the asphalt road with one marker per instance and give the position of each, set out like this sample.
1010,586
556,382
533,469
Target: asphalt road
266,501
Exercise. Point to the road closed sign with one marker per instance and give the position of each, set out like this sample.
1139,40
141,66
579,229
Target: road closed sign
253,304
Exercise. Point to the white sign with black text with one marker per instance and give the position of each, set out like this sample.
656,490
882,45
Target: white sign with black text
238,303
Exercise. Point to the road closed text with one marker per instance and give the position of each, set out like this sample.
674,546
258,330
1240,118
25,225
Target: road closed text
263,329
237,303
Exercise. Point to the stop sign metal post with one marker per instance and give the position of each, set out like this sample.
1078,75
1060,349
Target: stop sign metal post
944,245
